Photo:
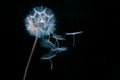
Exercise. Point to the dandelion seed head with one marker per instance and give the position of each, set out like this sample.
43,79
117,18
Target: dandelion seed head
40,22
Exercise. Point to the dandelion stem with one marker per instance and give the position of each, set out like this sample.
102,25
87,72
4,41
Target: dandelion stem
26,69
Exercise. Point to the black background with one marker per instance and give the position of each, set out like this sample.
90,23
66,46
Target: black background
90,58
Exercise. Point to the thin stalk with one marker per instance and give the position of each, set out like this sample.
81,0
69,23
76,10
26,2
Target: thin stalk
28,63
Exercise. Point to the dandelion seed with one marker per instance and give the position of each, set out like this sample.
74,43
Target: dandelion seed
53,52
58,37
49,57
61,49
73,34
47,44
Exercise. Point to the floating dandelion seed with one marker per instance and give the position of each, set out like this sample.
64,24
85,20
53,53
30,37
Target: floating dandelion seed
49,56
47,44
39,23
73,34
57,37
61,49
53,52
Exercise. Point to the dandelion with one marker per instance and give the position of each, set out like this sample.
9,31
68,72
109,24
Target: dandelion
40,23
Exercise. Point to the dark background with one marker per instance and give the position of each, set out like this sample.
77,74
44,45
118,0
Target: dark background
88,59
